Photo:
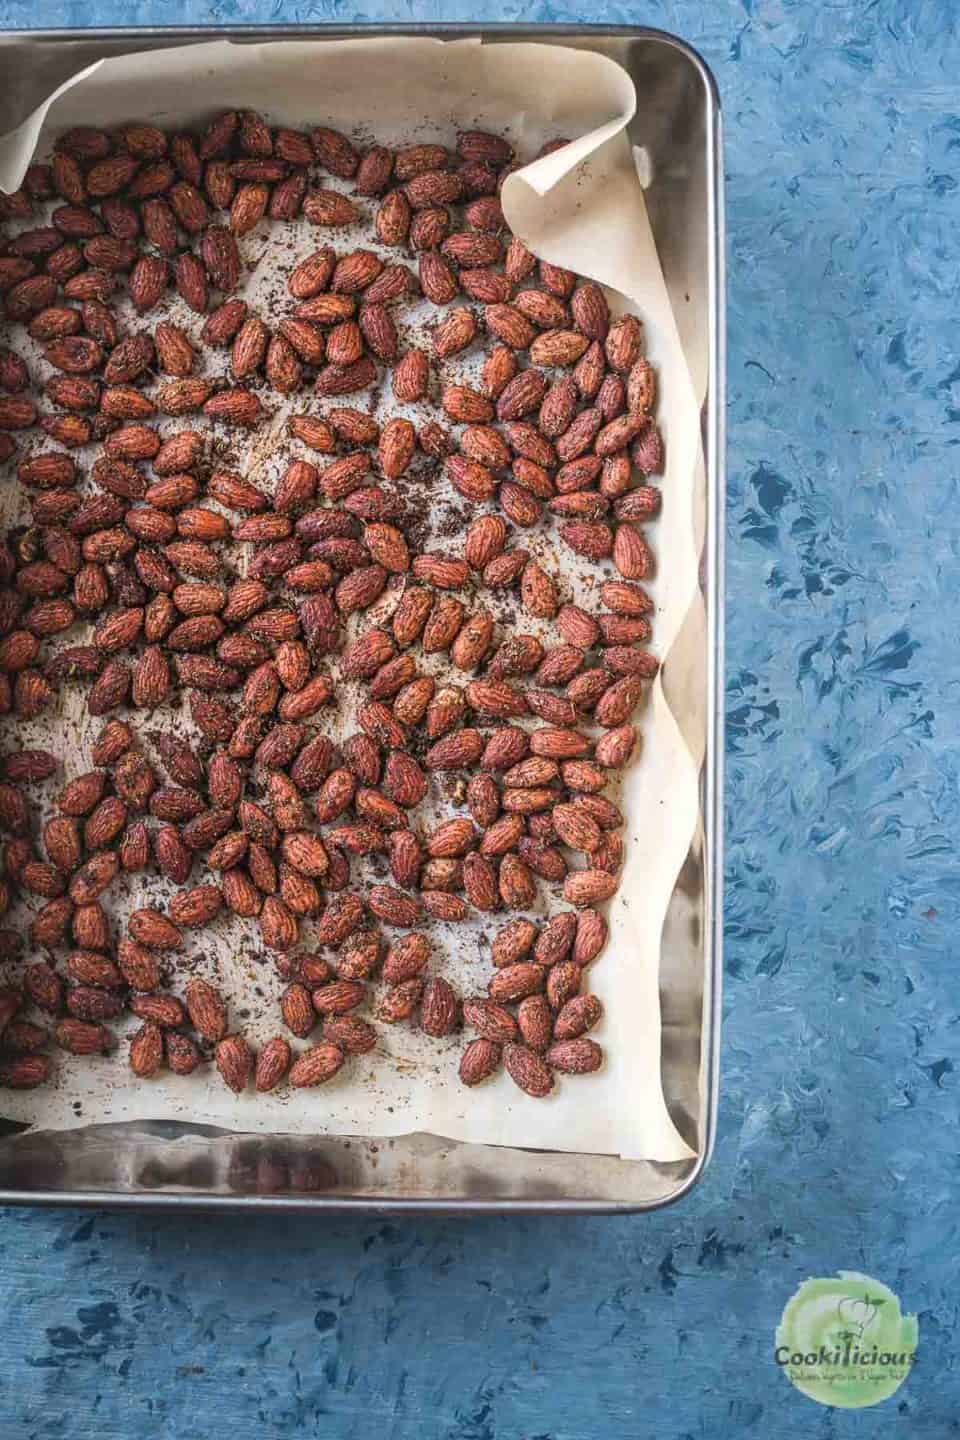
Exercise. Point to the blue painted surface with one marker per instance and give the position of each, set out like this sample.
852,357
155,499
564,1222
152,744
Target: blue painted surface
841,1044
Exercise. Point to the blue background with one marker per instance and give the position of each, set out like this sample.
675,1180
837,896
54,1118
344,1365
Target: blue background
837,1143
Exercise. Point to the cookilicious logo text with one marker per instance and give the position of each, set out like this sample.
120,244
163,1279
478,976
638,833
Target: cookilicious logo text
843,1341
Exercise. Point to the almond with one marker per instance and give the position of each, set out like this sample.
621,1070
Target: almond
417,159
350,1034
248,207
586,887
404,781
87,1002
473,641
296,1006
396,449
592,539
438,1007
612,397
631,553
441,906
411,376
105,823
444,572
522,395
503,834
557,347
434,187
505,747
509,325
474,481
535,1021
316,1065
444,624
480,884
563,982
623,343
480,1059
516,884
83,1037
453,837
249,347
559,743
576,1017
496,697
405,858
146,1050
197,906
329,207
234,1061
139,968
497,372
590,938
406,958
355,272
223,323
273,1062
527,1070
400,1001
641,387
465,405
576,828
641,503
454,333
577,1056
190,278
149,927
379,330
233,407
538,592
334,152
393,219
490,1020
558,408
392,906
486,446
27,766
485,540
374,171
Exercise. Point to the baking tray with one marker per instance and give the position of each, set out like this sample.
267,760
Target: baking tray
170,1165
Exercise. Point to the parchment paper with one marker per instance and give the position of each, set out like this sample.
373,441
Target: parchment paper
581,207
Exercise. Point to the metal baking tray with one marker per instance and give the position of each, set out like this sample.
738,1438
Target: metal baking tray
171,1165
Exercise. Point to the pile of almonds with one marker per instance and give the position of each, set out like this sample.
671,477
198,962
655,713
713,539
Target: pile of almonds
156,573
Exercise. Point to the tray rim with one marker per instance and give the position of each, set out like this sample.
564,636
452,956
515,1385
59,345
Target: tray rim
712,777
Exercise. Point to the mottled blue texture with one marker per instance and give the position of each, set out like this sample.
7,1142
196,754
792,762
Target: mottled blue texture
841,1043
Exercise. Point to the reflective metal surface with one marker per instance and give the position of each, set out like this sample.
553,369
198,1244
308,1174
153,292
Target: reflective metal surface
165,1164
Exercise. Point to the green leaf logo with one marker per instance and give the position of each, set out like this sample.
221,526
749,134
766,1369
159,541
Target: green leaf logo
842,1341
